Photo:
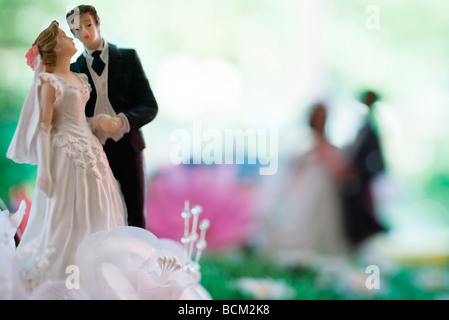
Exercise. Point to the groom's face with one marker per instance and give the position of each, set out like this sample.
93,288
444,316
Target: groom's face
88,32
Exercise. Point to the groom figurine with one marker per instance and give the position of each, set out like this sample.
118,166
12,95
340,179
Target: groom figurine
121,102
367,162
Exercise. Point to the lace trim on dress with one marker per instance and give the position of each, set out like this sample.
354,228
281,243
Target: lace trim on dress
85,88
85,80
54,81
85,152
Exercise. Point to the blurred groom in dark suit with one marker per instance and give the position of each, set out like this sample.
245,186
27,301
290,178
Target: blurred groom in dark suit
367,162
121,102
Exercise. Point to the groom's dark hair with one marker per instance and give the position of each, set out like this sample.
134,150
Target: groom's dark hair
85,9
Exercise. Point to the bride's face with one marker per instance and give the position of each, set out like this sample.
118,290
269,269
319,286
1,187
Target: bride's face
66,46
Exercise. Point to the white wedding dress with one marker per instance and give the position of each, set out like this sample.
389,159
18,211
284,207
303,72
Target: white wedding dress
305,223
85,196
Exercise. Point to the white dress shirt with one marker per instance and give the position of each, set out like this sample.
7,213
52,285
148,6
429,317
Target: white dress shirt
103,105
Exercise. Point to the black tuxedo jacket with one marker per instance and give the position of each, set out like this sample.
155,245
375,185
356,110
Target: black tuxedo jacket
368,159
129,93
360,213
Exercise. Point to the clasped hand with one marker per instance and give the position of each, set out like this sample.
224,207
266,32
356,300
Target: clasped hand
110,124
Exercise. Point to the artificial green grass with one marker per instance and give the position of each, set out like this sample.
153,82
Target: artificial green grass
221,272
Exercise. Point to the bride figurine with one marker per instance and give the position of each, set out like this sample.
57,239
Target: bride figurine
305,226
76,193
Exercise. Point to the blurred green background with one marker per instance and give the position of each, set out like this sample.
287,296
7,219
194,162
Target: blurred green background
260,64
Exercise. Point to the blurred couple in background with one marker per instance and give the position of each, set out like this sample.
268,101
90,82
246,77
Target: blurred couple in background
324,206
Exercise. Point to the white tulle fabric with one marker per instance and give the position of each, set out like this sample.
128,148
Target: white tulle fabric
85,197
23,147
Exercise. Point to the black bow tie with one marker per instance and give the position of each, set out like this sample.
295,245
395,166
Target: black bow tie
97,64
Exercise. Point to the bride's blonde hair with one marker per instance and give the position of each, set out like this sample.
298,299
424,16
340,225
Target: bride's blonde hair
46,42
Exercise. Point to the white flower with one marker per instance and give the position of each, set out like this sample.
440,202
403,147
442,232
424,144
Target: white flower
131,263
265,288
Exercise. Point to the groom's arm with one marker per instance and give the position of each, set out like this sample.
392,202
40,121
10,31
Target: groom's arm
144,107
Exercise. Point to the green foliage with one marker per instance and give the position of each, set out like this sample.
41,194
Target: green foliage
12,173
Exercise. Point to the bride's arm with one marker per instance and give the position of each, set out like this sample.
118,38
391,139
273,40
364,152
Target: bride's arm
47,98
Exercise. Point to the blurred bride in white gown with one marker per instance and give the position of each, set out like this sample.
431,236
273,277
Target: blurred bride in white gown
305,221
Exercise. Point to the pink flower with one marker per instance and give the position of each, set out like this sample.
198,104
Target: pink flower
226,201
31,55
